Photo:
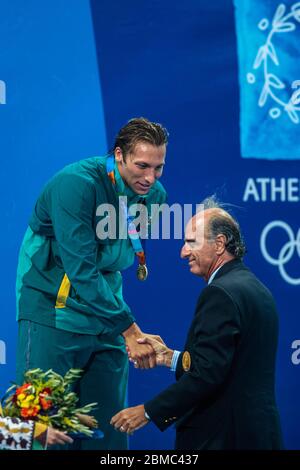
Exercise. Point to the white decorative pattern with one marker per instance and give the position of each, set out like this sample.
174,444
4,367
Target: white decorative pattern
280,24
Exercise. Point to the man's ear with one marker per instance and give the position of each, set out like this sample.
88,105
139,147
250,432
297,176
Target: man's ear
118,155
220,244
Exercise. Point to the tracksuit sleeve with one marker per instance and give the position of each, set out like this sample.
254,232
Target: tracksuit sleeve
73,214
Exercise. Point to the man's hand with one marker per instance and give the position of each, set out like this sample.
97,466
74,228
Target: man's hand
142,355
163,354
130,419
57,437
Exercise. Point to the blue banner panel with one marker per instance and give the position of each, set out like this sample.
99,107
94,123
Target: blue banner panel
268,48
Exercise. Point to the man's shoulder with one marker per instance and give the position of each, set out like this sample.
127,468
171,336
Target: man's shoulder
85,173
232,276
81,177
234,269
241,281
235,273
86,167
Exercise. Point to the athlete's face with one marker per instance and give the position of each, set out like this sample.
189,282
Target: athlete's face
142,166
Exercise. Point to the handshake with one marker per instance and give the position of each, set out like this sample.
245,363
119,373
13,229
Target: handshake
146,351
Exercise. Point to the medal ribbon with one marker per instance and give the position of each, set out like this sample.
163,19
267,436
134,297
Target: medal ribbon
131,228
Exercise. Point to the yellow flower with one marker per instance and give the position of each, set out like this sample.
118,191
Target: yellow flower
68,422
29,398
24,405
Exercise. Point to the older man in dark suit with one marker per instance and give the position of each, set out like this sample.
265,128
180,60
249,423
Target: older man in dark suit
224,395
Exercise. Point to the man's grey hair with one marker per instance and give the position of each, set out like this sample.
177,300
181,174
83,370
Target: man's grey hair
222,222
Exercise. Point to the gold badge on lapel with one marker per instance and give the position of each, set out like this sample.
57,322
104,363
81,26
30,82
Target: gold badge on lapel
186,361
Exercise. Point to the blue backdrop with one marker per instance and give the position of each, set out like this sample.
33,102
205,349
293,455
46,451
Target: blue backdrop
72,73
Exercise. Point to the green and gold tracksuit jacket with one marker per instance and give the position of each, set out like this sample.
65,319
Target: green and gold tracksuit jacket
67,277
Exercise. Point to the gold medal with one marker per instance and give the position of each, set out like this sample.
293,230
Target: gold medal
186,361
142,272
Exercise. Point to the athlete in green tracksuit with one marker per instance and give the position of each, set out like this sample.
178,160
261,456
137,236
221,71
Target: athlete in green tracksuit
71,310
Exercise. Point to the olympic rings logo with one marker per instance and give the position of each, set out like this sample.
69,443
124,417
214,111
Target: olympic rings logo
286,252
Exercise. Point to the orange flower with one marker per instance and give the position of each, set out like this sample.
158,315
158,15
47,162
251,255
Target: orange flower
30,412
22,389
44,400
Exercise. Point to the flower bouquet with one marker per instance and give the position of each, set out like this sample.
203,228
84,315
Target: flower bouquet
47,397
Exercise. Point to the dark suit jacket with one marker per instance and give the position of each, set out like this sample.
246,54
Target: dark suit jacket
226,400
